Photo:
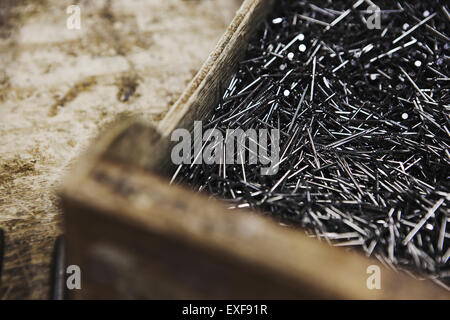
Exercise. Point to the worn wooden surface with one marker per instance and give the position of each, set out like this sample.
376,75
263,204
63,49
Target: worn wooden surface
59,88
137,237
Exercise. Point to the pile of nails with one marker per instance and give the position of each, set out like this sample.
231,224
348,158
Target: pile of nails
364,128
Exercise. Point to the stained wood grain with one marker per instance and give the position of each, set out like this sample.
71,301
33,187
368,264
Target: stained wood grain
60,88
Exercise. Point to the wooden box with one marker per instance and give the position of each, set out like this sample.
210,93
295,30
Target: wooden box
135,236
